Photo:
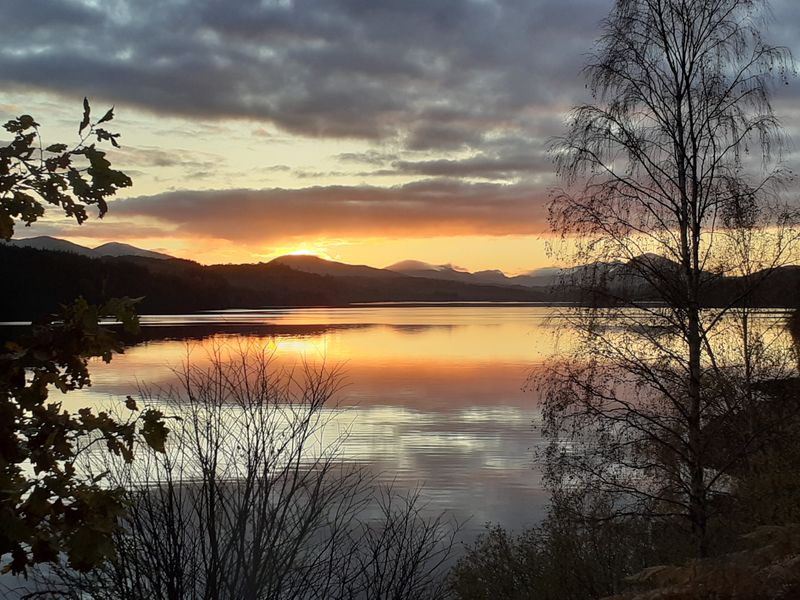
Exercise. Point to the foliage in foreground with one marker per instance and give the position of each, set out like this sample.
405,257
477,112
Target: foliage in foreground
580,552
33,175
46,506
252,499
604,562
769,569
561,559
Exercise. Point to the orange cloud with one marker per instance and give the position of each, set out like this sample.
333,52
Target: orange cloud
431,208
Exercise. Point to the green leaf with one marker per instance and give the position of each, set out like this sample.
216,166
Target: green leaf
86,112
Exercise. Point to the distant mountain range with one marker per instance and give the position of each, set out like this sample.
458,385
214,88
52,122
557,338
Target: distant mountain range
56,271
320,266
313,264
44,242
538,278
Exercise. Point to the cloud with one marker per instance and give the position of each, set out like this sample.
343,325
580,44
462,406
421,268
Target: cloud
444,89
110,228
478,166
430,208
433,75
149,157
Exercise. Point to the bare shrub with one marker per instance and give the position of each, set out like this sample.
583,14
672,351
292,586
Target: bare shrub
252,499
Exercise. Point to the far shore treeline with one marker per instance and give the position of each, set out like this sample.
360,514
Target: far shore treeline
51,278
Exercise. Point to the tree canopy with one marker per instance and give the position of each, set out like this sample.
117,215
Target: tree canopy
33,175
674,170
47,506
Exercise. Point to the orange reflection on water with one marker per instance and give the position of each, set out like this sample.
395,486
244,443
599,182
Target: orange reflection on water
413,357
431,394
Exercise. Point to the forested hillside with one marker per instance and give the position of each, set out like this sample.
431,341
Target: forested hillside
169,286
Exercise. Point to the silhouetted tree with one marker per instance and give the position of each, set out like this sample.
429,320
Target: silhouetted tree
672,180
252,499
47,508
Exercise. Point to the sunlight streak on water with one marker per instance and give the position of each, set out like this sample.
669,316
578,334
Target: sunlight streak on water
433,396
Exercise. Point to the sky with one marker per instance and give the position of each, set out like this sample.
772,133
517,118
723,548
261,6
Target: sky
366,131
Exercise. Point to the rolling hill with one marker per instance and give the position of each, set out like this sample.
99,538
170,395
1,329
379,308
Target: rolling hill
44,242
118,249
59,272
174,285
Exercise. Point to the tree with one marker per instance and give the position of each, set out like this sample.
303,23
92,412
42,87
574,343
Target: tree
253,500
560,559
32,174
47,507
673,179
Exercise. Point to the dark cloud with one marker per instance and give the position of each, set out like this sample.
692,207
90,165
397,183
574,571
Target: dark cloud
444,74
370,157
148,156
436,207
40,18
106,229
478,166
510,159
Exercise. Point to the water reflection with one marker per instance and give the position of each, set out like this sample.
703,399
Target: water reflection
432,395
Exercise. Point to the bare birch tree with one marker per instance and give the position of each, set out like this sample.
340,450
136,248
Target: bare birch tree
673,186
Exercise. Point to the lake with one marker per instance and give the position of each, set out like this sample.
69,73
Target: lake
433,395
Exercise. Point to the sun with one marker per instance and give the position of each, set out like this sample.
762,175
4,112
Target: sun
303,250
308,252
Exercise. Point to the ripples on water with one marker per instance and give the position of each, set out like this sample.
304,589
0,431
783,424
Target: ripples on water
432,396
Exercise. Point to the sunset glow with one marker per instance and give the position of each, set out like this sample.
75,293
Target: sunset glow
408,300
369,153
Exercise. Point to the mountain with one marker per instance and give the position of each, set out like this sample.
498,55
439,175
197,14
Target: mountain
169,285
415,268
175,285
493,277
411,265
319,266
615,276
45,242
53,278
119,249
545,276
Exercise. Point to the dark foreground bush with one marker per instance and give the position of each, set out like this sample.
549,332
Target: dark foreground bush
564,558
252,499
